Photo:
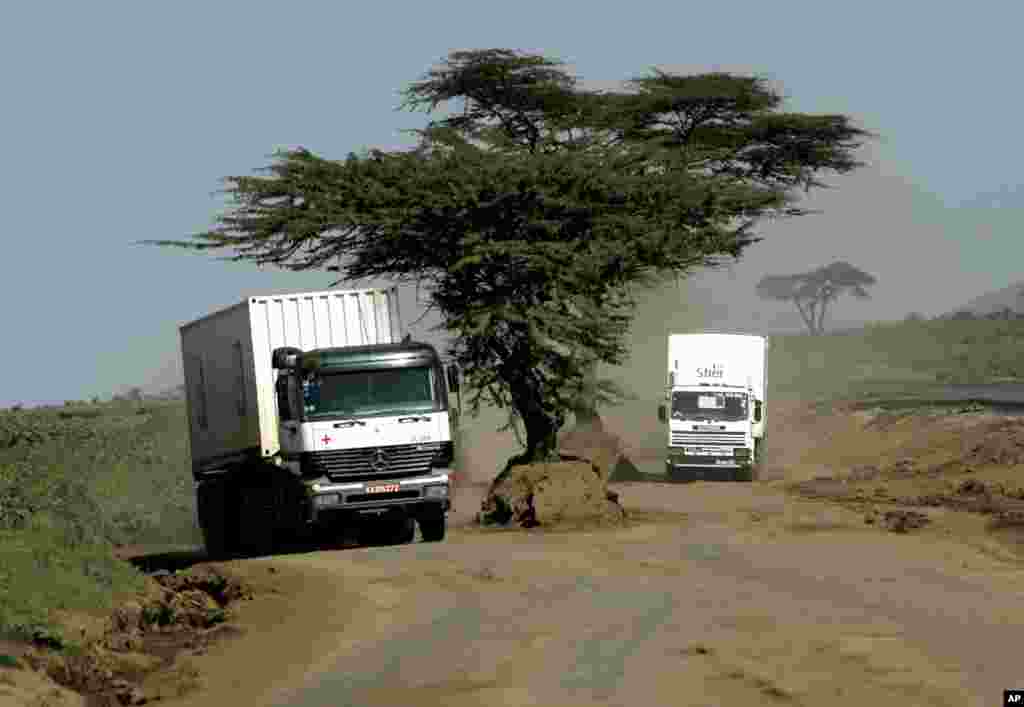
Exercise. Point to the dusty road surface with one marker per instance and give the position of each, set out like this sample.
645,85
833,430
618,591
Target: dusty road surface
716,594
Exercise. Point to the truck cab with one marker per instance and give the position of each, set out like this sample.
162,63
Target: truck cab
715,405
369,430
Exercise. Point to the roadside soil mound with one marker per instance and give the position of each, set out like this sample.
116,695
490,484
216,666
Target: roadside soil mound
572,491
971,461
132,657
551,494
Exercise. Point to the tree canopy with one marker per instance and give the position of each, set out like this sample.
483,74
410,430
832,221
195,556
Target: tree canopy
529,210
812,292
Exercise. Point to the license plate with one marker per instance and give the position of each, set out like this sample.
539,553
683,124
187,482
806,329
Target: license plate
704,452
383,488
724,462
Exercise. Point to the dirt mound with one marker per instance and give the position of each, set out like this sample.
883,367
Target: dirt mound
549,494
898,521
1003,445
180,613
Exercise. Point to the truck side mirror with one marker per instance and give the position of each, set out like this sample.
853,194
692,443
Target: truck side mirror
284,407
285,357
453,378
662,416
757,411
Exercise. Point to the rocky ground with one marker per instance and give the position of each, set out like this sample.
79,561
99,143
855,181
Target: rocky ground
874,537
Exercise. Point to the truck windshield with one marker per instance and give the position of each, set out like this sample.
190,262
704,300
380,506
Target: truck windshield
718,406
369,392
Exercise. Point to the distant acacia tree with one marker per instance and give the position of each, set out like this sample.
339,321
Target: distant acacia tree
1004,313
529,211
812,292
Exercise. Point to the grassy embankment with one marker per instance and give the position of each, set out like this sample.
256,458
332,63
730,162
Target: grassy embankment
897,359
75,481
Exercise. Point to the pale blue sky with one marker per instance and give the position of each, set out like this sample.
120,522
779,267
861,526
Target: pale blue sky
121,118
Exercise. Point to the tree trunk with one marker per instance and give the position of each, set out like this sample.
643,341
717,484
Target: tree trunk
540,421
806,313
819,325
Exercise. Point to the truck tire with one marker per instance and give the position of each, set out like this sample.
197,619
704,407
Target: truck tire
758,467
216,520
256,520
215,540
433,525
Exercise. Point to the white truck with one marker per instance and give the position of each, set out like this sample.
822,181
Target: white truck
716,413
307,411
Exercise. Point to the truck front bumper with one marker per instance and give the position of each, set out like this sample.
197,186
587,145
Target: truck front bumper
369,496
704,467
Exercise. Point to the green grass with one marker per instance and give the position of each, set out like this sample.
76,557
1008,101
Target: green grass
886,359
73,483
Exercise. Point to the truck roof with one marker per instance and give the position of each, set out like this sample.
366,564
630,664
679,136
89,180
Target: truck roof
400,347
283,294
721,332
373,355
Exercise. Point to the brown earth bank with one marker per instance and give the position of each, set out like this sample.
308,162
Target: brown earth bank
840,578
137,654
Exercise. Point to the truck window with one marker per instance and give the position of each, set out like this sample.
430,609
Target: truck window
370,392
719,406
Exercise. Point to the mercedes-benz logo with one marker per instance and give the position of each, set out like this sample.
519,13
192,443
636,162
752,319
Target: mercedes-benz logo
379,461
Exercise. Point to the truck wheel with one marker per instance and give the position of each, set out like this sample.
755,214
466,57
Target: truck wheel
758,459
255,525
433,526
219,540
216,521
215,540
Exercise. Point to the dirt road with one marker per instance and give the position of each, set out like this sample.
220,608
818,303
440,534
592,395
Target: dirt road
747,599
717,594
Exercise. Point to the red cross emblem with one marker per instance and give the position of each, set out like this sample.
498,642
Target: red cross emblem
325,439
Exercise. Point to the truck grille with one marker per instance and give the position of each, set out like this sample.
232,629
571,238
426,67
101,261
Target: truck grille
369,463
680,439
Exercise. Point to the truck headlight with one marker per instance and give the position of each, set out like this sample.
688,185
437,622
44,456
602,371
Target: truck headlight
436,492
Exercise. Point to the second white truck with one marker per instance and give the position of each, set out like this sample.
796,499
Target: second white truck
307,410
716,408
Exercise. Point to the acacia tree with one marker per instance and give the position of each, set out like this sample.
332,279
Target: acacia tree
812,292
528,214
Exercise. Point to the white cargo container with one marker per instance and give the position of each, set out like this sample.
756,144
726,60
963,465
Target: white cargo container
229,379
270,384
716,394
